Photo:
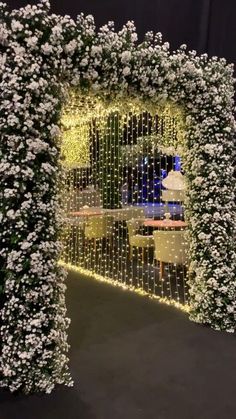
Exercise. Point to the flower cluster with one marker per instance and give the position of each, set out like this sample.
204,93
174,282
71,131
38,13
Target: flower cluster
41,56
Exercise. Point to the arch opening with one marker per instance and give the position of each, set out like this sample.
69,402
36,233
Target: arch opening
124,194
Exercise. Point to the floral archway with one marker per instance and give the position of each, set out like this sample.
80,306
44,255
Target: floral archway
42,55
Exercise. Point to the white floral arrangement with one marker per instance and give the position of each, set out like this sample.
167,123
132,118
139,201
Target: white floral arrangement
42,55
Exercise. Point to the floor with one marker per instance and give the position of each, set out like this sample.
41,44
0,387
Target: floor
133,358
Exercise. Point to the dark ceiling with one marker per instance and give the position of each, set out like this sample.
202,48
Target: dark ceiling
204,25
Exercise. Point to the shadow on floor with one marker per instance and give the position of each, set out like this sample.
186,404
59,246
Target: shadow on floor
133,358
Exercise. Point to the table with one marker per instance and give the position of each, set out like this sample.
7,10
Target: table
85,213
168,224
74,221
118,214
125,213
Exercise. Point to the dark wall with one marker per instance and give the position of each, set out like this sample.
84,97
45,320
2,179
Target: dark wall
204,25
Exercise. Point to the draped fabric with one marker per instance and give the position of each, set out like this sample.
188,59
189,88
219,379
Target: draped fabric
204,25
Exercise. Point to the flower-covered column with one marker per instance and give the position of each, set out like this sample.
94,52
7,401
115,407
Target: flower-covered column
211,208
33,314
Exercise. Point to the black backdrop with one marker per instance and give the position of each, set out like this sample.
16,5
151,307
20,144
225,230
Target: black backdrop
205,25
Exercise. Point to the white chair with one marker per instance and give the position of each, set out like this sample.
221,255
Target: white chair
98,228
136,239
170,195
170,247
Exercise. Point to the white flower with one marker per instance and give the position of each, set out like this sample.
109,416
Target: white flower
126,71
84,62
26,245
32,42
96,86
210,149
48,168
93,74
19,51
217,216
57,31
202,236
70,47
34,85
35,322
10,214
134,37
2,61
55,131
3,34
26,205
171,77
47,48
36,145
126,56
27,173
7,371
95,50
8,193
16,26
24,355
198,180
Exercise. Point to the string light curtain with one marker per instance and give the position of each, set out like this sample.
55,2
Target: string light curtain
116,156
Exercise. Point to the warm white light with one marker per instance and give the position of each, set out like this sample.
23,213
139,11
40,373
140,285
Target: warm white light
114,158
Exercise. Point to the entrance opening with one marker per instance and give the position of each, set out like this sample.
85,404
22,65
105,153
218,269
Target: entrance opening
124,193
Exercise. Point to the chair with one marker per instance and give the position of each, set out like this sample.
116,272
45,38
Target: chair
172,196
99,227
170,247
138,240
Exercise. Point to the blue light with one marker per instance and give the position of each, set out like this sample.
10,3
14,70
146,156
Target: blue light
163,173
177,163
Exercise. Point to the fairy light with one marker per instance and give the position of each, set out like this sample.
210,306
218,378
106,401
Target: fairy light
75,144
107,147
126,287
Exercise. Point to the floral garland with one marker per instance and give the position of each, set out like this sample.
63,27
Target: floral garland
41,56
